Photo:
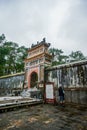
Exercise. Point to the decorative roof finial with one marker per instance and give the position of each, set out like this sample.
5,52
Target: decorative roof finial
44,40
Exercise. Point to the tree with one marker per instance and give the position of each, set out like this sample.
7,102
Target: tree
58,57
10,66
22,53
76,56
3,52
11,57
2,39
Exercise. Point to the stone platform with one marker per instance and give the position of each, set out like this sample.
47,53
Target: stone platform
10,103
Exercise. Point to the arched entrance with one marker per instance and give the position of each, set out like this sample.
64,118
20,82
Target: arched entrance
38,57
34,79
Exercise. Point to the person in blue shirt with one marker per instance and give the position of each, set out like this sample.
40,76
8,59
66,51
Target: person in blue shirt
61,95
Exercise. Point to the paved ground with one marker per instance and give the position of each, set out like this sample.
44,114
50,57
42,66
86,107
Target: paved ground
45,117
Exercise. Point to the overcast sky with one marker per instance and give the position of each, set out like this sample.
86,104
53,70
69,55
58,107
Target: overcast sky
62,22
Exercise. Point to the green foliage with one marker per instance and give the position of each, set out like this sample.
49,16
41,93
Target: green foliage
2,38
11,57
60,58
77,55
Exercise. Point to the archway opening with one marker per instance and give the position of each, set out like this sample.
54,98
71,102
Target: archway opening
34,79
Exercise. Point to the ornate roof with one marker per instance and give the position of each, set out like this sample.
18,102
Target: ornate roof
43,42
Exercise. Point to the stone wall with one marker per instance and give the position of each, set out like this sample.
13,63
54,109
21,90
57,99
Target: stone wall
78,96
68,75
11,84
73,77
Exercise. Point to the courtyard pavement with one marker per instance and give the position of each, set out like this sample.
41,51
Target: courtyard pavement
45,117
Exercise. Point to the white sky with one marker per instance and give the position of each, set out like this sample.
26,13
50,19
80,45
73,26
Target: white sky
62,22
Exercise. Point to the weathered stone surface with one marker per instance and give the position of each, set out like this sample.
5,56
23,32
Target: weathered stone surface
45,117
10,83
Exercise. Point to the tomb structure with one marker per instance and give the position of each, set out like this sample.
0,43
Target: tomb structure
38,58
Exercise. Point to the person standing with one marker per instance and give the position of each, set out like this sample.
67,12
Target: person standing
61,95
